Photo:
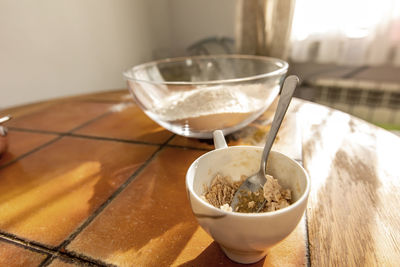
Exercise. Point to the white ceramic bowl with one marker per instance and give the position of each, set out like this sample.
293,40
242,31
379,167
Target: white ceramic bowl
245,238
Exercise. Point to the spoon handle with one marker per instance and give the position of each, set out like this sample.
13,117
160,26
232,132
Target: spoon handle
288,89
5,118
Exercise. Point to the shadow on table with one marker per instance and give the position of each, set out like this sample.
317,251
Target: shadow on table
213,256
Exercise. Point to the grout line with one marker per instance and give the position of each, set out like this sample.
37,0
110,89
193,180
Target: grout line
34,131
189,147
71,257
74,259
62,134
90,121
30,152
49,259
44,249
72,236
103,138
29,245
59,101
111,139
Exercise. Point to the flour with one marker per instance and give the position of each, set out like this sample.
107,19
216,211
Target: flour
213,100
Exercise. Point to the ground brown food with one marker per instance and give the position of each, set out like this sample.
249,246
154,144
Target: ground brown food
222,189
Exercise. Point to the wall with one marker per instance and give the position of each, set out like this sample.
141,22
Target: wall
194,20
54,48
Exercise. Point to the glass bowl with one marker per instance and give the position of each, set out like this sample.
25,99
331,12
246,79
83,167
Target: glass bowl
193,96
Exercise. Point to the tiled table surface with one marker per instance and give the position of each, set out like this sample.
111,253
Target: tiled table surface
91,180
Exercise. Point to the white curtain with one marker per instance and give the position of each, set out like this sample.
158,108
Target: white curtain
347,32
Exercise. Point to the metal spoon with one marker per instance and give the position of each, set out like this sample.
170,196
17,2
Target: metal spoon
5,118
256,181
3,130
3,134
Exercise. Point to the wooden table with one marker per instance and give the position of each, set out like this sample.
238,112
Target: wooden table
91,180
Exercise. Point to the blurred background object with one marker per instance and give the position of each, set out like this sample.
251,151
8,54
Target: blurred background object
212,46
346,52
356,32
263,27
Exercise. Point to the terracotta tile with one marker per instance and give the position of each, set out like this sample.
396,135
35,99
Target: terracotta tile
60,263
178,140
108,96
46,195
12,255
60,117
127,122
156,226
150,222
20,143
20,111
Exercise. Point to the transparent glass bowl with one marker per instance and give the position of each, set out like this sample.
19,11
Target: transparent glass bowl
193,96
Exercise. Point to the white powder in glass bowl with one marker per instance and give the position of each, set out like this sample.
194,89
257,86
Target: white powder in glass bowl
212,100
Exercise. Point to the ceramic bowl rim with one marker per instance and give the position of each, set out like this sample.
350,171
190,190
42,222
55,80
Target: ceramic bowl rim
287,209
